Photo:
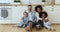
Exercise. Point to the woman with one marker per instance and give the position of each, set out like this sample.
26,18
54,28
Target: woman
38,10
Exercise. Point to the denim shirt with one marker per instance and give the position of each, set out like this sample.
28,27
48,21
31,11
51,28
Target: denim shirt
33,16
25,20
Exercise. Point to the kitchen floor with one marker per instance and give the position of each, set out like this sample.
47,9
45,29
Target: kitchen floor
13,28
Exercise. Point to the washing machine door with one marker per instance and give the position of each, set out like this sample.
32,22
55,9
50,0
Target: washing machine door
4,13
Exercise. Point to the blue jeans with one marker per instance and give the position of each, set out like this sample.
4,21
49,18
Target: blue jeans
33,23
20,23
41,23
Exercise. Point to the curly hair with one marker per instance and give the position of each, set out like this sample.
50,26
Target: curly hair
46,15
38,6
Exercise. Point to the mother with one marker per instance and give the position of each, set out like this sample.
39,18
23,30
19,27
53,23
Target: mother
39,10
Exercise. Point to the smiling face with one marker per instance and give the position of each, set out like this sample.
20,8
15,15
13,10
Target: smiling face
43,15
30,8
25,14
39,10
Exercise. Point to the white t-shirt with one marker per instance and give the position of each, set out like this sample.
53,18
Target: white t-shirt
47,24
30,18
29,15
37,15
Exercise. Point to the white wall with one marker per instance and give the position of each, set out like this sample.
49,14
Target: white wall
16,13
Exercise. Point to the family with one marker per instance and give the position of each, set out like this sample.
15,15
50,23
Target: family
37,19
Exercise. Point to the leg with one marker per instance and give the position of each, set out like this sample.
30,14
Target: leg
20,24
29,27
47,25
41,23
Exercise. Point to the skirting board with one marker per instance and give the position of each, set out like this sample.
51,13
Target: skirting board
55,23
17,23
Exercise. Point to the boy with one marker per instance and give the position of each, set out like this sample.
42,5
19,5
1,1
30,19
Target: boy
24,20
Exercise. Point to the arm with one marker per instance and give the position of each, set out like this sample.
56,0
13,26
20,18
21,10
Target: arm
27,20
38,18
45,19
22,19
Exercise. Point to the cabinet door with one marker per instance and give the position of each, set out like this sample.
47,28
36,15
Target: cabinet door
53,15
57,1
57,14
6,1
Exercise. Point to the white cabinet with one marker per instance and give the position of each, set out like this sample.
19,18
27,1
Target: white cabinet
54,16
6,1
57,1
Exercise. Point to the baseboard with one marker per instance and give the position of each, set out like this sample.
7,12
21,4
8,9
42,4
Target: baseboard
17,23
55,23
8,23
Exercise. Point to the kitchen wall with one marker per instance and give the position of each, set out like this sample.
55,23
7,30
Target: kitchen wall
15,13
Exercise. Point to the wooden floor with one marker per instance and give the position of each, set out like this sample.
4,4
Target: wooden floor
13,28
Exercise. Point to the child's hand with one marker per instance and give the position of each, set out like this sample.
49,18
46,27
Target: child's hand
46,19
43,19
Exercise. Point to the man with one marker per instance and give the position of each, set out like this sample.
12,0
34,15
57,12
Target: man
32,18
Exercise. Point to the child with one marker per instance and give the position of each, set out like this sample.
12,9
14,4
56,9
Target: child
24,20
45,20
47,24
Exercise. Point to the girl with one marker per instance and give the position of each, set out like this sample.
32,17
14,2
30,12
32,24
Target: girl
24,20
45,20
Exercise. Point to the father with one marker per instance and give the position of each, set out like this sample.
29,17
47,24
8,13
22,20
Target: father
32,18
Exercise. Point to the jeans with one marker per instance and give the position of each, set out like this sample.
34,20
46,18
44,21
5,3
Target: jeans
41,23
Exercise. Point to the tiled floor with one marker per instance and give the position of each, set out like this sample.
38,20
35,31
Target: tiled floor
13,28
